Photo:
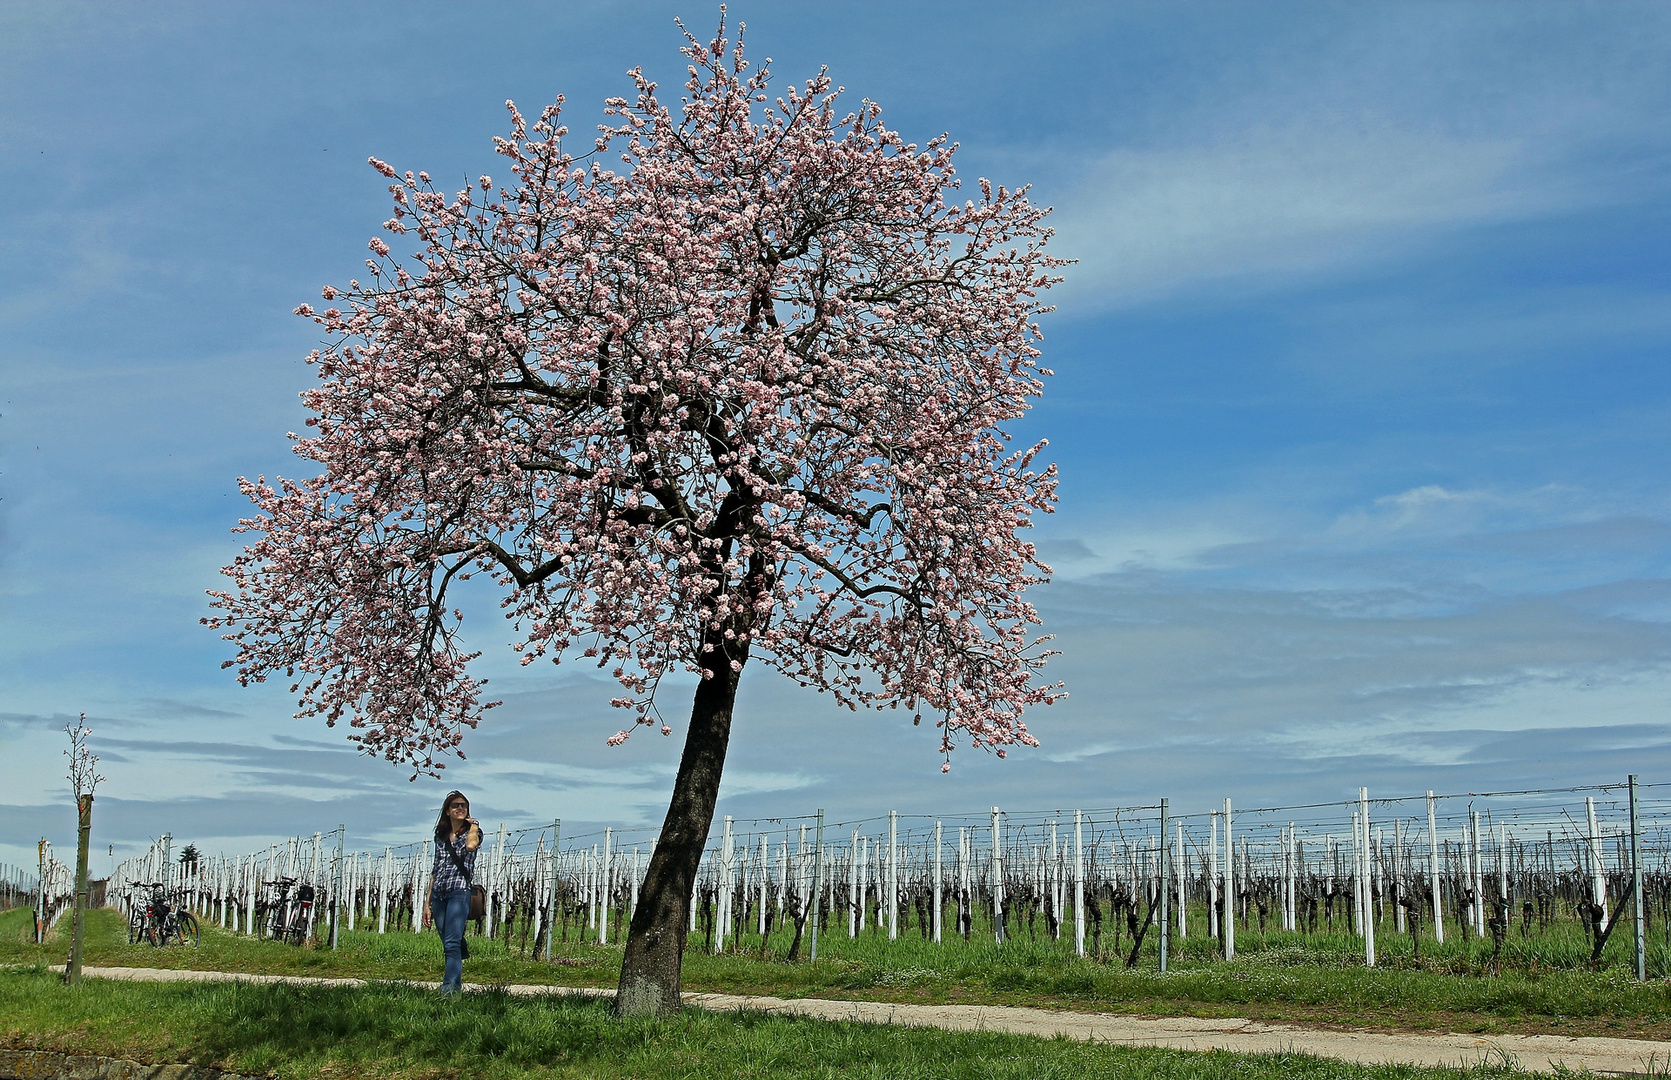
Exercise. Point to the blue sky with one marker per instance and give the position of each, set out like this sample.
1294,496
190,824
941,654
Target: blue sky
1362,404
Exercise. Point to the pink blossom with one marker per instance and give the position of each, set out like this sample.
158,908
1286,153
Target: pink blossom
745,394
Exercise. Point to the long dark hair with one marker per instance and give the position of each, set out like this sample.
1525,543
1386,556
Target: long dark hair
443,825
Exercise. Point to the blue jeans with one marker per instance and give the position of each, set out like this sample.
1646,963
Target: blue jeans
449,911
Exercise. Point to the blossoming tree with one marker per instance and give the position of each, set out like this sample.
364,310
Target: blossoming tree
741,399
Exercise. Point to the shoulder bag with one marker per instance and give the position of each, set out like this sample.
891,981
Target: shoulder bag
478,895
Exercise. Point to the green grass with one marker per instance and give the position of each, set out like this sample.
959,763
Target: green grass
1274,978
391,1030
17,926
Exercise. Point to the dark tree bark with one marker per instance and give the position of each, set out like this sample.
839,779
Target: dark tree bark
1138,930
798,917
650,969
78,925
1604,930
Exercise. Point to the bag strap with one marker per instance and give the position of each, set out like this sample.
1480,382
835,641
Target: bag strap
469,878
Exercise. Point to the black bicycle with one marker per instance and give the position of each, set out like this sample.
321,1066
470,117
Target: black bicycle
153,920
139,915
287,910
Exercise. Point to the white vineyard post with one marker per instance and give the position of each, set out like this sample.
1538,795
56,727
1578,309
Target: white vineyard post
1378,886
313,880
782,871
495,867
1466,876
1479,877
1399,874
760,919
864,882
1163,856
338,876
938,883
1433,873
551,897
1636,884
590,876
383,891
695,889
1043,884
272,862
1368,875
726,872
997,877
1357,875
1180,874
1299,869
893,875
853,904
536,892
746,886
1055,876
1229,888
418,874
249,898
484,876
1078,883
1503,861
604,886
1212,876
1598,883
40,890
816,901
1288,919
966,874
1245,896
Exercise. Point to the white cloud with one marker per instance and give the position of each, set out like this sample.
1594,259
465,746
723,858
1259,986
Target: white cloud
1325,147
1435,510
1279,204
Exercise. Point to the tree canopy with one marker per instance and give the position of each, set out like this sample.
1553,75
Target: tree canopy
731,383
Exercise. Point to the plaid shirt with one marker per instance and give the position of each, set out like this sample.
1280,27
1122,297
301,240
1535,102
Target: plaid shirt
446,875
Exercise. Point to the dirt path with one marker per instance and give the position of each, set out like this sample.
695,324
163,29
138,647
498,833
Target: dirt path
1542,1053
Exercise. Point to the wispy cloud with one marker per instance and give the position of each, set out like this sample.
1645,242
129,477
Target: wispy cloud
1296,157
1275,206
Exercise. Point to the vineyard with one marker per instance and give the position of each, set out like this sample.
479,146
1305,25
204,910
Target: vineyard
1534,878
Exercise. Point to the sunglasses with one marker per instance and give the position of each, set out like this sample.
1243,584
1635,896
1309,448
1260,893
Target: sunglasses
458,806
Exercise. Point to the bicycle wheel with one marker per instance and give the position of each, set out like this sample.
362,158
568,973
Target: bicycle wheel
136,928
186,931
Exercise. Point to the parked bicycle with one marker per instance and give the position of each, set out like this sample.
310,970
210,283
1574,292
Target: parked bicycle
139,914
153,920
286,908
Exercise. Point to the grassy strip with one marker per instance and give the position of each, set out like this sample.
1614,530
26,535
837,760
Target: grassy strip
389,1030
17,926
1276,982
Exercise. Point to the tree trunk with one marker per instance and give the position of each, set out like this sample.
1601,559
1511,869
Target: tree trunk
78,921
1605,930
656,938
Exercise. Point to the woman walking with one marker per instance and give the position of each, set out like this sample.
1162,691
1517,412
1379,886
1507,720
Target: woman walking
457,836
